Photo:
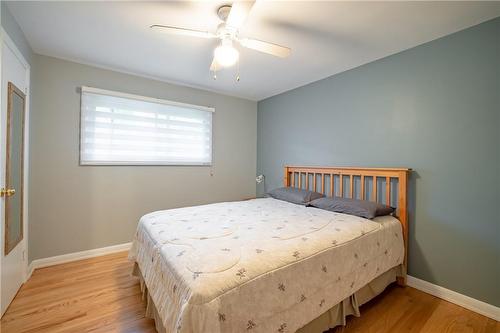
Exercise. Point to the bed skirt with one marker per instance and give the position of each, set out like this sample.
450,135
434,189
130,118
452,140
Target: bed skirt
335,316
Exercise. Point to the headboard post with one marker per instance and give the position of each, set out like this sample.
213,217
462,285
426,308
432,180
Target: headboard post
403,218
286,178
373,174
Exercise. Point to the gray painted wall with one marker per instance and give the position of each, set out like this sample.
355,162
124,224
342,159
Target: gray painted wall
74,208
15,33
434,108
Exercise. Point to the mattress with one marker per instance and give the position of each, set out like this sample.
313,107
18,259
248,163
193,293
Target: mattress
263,265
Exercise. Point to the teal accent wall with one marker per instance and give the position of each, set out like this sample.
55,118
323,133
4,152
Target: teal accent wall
434,108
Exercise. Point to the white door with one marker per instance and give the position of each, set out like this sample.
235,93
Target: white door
13,170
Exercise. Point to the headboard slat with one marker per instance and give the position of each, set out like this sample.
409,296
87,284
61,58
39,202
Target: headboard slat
341,185
351,186
323,183
362,187
388,191
332,185
400,174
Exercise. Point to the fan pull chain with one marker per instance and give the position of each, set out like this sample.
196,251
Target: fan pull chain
238,71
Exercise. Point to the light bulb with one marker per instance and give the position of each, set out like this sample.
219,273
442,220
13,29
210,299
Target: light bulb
225,54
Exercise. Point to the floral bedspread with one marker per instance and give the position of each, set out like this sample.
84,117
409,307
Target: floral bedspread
260,265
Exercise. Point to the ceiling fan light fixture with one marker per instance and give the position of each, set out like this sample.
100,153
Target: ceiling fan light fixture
225,54
233,17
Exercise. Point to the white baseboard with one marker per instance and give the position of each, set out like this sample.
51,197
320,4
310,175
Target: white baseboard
467,302
51,261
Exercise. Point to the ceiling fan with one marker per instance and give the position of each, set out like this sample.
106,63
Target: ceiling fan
226,55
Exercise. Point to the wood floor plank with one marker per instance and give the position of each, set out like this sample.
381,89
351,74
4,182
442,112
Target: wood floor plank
100,295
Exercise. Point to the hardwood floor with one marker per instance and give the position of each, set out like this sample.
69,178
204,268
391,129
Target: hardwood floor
99,295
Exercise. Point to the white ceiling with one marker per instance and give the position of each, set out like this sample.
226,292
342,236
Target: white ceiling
326,37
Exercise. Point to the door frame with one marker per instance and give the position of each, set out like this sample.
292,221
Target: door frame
5,40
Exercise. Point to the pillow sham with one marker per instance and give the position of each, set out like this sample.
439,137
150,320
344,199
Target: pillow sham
294,195
361,208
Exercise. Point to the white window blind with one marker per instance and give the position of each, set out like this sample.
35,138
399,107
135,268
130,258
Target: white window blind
118,128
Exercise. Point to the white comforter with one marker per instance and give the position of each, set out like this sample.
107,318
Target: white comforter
262,265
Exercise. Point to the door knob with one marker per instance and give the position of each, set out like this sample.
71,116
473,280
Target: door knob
7,192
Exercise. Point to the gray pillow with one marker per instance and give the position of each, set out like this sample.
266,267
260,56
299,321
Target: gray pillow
294,195
361,208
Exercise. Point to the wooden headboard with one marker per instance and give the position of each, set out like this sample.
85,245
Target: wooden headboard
384,185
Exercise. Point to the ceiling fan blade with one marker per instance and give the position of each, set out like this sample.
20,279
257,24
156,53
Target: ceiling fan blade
269,48
238,14
181,31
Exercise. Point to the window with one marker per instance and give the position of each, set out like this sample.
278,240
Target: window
118,128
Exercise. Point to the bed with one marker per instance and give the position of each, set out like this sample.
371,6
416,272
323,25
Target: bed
266,265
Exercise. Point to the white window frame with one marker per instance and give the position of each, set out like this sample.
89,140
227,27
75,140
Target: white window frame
145,99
